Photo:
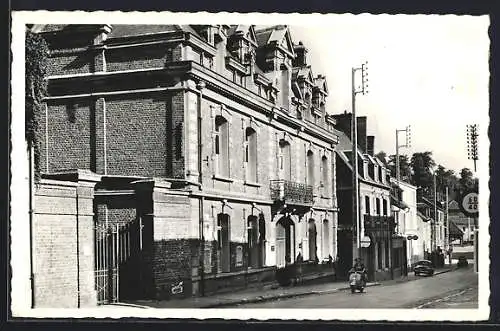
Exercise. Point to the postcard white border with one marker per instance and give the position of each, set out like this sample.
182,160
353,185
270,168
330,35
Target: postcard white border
19,186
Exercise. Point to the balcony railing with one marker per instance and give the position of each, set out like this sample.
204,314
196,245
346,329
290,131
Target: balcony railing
291,192
379,223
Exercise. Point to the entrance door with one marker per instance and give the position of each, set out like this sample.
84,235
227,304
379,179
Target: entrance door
285,242
224,242
312,233
253,242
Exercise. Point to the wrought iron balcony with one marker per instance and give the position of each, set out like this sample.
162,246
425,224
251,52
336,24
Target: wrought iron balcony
379,223
291,192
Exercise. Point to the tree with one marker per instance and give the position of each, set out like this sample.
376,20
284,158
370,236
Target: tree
404,166
422,165
447,178
35,90
382,156
466,180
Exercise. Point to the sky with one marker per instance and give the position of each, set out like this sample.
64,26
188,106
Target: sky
427,71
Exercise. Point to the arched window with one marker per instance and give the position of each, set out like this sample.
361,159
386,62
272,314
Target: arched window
222,146
324,175
251,154
377,205
384,206
310,168
285,160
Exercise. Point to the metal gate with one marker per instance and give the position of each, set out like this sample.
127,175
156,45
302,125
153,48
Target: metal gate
112,248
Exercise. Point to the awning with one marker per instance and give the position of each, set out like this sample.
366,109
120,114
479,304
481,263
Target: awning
455,231
398,203
423,217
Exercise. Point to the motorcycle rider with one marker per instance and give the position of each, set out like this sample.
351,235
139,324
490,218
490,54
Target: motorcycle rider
359,266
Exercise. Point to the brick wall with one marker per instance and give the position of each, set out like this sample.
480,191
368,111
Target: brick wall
72,61
137,58
69,135
136,136
175,139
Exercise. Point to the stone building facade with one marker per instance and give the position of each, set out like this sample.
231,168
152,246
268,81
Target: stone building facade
376,217
213,146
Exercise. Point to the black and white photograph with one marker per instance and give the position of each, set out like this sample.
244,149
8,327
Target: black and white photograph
277,166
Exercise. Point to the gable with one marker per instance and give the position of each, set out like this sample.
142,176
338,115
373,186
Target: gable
251,35
287,43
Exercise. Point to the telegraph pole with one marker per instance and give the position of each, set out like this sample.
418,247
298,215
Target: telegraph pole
433,228
448,244
407,130
472,142
363,89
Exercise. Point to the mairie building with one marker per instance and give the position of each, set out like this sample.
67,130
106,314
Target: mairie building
209,149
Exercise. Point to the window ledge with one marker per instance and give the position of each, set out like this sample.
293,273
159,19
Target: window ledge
254,184
223,178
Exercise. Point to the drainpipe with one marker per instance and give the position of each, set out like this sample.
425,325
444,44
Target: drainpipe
31,211
200,87
77,250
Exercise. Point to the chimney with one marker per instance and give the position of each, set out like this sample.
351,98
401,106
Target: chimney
362,133
343,123
370,145
301,55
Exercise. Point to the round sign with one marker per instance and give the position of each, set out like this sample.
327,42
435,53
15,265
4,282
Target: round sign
365,242
470,204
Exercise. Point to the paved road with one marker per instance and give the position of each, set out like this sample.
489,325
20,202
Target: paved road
418,293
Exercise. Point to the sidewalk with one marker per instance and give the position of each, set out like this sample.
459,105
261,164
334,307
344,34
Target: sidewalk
268,293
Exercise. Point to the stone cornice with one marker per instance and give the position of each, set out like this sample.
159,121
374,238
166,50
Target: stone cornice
260,78
213,81
234,64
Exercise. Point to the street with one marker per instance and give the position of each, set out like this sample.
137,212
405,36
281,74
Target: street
456,289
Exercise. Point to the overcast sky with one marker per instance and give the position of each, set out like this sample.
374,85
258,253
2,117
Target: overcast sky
430,72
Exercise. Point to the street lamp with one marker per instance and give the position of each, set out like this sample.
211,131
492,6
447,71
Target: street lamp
407,144
363,89
472,142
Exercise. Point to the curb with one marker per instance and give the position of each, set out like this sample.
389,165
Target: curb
280,296
131,305
295,295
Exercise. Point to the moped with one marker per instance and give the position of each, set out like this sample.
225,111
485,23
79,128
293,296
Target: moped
356,281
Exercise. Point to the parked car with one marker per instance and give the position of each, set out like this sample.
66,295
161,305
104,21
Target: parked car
462,262
424,267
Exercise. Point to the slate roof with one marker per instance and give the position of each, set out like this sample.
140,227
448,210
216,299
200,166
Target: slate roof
267,35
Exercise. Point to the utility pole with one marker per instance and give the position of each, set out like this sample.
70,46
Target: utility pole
472,142
433,229
448,244
363,89
407,144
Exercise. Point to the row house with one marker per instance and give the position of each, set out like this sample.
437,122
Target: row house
434,214
464,225
377,221
404,206
213,148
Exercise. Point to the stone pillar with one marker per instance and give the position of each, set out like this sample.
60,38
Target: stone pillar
86,182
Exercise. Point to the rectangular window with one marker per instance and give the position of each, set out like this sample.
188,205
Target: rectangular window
384,206
367,205
377,205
